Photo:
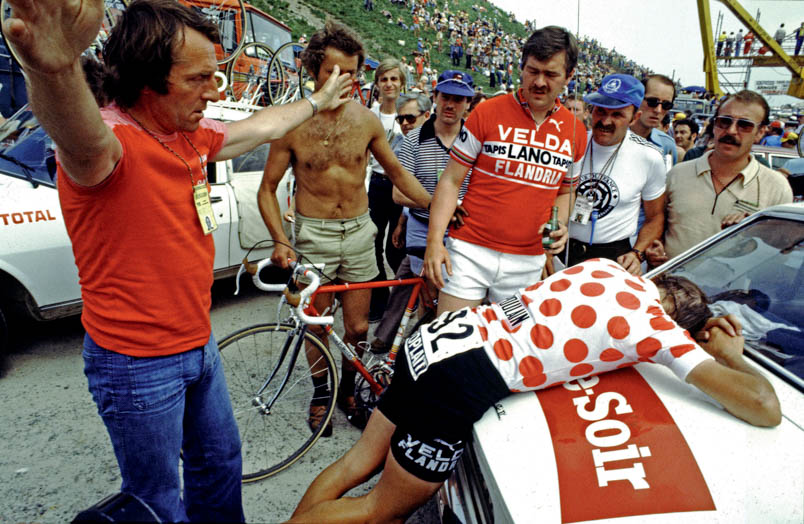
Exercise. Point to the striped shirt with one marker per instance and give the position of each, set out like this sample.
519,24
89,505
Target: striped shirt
423,154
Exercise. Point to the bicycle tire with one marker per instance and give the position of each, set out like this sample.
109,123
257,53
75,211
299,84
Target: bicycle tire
232,30
272,442
292,85
250,68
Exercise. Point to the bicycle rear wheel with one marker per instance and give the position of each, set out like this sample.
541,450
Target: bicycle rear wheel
247,74
274,439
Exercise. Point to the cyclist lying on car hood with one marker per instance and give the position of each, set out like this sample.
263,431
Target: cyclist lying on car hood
585,320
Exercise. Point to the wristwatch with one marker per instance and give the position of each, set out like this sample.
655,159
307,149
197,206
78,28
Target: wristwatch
639,254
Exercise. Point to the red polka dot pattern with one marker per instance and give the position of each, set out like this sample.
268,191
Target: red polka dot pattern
574,270
627,300
503,349
534,287
531,366
601,274
611,355
656,311
634,285
490,315
484,333
618,327
550,307
560,285
531,369
592,289
507,327
534,381
648,347
581,369
584,316
541,336
526,300
661,323
677,351
575,350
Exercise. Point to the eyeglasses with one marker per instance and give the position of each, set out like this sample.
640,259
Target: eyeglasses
408,119
743,124
653,102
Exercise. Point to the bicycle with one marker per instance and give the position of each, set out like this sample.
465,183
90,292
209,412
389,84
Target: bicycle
271,388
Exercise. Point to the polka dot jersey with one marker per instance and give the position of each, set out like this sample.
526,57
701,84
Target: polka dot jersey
585,320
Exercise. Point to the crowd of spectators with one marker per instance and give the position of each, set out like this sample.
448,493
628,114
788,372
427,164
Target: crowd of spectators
477,42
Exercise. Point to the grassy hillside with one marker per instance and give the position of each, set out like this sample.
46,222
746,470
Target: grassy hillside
380,37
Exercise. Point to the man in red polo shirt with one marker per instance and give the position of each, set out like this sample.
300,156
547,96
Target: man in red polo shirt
519,148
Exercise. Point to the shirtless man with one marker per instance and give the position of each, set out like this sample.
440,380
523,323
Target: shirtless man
329,154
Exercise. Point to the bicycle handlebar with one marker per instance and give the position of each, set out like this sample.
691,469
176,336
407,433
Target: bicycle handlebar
303,269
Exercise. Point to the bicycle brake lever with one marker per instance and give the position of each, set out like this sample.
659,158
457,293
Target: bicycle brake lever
279,312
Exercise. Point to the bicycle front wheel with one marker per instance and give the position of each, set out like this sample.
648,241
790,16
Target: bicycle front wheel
274,436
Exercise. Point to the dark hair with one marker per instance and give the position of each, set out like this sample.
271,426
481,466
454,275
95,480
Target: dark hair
139,51
662,79
748,97
95,74
336,36
692,124
691,304
546,42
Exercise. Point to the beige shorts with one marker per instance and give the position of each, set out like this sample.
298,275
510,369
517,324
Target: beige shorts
345,246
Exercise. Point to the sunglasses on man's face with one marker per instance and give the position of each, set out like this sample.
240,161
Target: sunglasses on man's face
743,124
407,119
653,102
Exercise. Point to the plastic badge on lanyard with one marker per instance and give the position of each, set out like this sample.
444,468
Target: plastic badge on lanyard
204,208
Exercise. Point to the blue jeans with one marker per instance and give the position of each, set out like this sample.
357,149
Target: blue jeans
157,407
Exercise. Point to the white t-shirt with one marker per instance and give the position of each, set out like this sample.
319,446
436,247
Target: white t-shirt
391,129
637,173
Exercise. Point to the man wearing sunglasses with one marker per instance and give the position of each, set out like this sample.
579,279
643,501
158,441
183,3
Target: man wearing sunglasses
620,171
724,185
660,92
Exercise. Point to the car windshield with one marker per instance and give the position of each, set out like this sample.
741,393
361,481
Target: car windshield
25,149
757,274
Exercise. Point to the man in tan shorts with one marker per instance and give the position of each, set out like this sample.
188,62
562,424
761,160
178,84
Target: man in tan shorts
329,155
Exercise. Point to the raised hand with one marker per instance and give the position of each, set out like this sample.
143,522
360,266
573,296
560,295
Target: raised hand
50,35
335,90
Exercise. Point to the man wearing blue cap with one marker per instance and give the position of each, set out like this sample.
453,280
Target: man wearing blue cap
619,171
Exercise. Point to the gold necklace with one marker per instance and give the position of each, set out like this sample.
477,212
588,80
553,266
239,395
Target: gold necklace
334,127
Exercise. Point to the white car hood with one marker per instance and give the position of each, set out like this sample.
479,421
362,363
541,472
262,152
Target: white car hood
700,463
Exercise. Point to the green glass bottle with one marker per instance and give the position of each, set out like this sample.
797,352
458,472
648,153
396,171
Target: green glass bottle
549,227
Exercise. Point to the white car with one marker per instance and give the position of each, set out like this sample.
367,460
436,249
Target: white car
38,277
638,445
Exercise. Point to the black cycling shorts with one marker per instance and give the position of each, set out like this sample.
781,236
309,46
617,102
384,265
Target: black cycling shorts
434,414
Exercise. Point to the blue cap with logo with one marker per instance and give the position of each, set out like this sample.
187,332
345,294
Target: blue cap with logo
617,91
453,82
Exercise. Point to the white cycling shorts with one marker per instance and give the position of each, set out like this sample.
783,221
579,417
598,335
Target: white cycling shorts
478,271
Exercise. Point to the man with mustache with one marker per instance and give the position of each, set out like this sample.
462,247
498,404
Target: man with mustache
620,171
519,148
724,185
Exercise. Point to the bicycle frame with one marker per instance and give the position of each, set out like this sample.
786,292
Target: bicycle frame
419,289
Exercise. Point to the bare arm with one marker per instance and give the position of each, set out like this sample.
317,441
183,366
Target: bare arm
275,167
651,230
49,36
274,122
740,388
441,209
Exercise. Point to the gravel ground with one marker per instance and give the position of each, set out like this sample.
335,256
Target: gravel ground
56,459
